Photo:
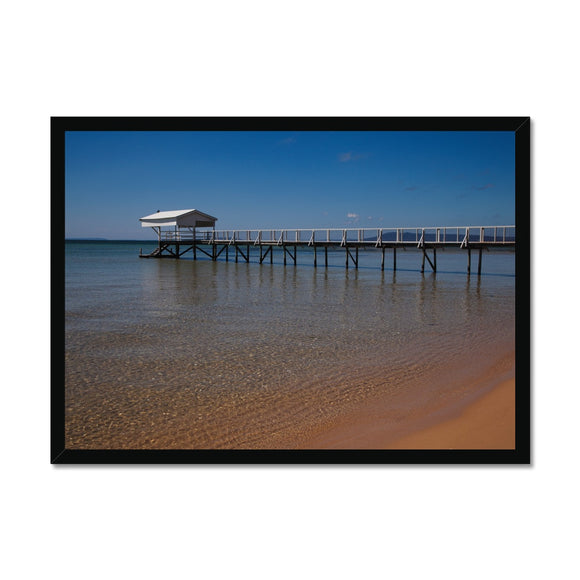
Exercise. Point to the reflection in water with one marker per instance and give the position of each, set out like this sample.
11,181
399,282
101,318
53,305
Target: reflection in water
426,304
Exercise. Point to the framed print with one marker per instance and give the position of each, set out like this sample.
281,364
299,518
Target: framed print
329,290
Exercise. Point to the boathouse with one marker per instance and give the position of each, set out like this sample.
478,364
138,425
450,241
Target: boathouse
177,222
177,228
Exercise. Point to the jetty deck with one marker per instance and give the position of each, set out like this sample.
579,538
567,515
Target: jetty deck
215,243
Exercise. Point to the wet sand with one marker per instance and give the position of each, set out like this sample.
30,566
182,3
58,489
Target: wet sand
488,423
485,419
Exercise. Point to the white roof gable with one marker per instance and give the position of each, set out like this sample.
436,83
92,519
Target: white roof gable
180,217
164,215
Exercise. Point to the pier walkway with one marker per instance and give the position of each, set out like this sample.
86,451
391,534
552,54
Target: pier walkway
213,243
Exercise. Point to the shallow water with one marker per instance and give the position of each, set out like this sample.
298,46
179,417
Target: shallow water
201,354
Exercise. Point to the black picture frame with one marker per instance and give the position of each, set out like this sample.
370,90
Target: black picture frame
521,127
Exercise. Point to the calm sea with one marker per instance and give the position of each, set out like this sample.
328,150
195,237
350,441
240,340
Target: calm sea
201,354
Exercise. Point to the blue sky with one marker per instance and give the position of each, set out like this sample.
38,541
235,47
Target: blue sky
268,179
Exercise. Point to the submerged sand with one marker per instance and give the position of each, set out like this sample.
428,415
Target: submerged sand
455,409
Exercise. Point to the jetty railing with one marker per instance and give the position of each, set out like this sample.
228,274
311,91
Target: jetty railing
438,235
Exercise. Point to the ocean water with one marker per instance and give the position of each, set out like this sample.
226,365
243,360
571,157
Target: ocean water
198,354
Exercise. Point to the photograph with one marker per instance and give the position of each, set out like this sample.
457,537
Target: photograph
293,297
316,290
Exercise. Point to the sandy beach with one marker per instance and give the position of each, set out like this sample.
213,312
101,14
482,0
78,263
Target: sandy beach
485,419
488,423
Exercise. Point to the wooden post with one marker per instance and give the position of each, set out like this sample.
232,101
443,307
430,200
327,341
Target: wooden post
227,254
434,259
423,262
326,256
356,256
264,254
236,247
239,250
346,254
284,251
295,255
469,260
479,263
432,264
394,259
383,259
315,265
271,254
158,230
177,250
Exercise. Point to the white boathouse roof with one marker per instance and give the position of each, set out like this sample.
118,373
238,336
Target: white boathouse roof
180,218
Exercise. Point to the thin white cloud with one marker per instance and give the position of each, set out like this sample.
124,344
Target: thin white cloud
352,218
351,156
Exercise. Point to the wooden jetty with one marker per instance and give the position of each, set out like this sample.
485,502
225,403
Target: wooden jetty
191,230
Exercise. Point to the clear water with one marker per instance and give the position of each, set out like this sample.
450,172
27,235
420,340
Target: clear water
200,354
